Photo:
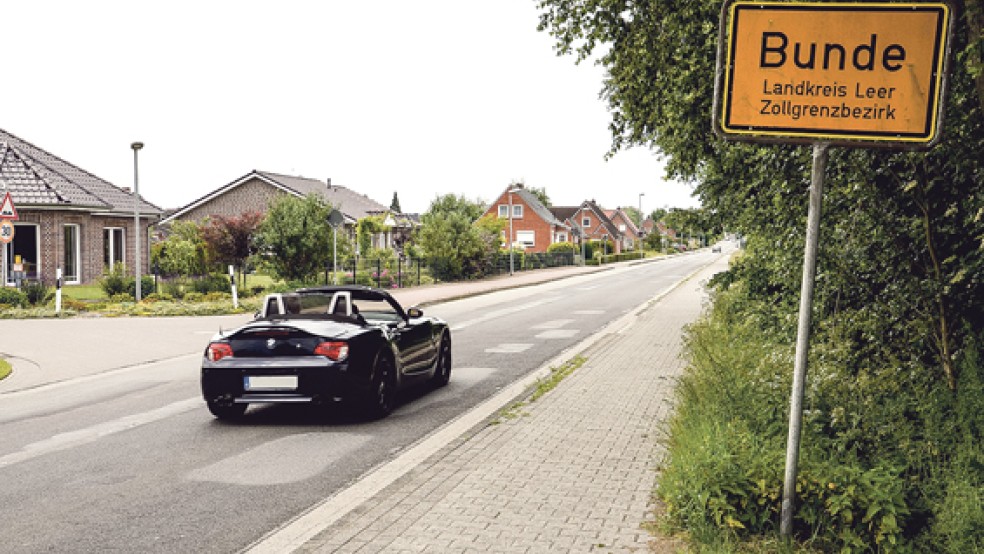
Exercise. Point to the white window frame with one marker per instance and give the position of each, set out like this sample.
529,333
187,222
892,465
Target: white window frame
113,248
585,222
526,244
503,211
561,237
517,211
76,253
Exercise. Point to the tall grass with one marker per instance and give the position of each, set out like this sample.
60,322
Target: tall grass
890,459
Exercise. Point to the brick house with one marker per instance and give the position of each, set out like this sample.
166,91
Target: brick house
593,221
534,227
67,218
255,191
630,234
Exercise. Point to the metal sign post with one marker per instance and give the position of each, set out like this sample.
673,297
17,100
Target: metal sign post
803,337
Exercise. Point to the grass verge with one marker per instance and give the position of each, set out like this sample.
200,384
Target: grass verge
543,386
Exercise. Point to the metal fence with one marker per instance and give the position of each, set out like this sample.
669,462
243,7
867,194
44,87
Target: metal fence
403,272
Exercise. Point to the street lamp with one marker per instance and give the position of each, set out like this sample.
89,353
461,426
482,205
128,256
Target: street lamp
639,234
136,219
510,191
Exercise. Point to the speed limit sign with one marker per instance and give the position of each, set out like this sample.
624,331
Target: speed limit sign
6,231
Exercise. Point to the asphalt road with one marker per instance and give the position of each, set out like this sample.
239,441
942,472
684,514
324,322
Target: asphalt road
107,446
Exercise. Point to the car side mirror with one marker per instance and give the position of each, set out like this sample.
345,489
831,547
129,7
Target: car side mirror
415,312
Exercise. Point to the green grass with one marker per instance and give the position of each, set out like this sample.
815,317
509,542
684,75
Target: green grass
543,386
5,369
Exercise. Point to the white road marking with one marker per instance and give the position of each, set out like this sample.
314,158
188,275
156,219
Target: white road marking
509,348
284,460
555,324
558,334
71,439
589,312
503,312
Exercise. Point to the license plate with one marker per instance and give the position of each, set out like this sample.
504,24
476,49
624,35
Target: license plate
270,382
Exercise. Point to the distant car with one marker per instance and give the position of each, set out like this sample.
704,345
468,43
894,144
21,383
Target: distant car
324,345
715,249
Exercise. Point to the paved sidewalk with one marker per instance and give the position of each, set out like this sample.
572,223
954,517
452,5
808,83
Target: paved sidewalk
572,473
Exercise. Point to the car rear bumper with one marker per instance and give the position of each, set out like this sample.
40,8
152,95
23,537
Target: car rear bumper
296,381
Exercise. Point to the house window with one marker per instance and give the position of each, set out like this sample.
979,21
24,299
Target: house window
561,237
114,245
27,247
621,227
70,262
585,222
516,208
526,238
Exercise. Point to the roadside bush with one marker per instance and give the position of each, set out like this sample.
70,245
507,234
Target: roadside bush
121,297
147,286
12,297
37,292
114,279
215,282
216,296
193,297
562,247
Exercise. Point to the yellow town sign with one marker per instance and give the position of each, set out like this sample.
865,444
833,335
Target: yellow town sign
832,72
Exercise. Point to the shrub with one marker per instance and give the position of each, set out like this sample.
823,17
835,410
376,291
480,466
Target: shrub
147,286
215,282
12,297
562,247
121,297
37,292
193,297
114,280
216,296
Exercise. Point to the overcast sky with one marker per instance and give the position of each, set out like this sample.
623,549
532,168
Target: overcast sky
424,98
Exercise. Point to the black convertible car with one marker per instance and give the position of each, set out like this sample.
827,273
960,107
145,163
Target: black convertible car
323,345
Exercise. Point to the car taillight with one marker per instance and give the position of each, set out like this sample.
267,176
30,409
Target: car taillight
218,350
336,351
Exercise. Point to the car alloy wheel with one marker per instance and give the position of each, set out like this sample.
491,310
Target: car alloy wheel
442,373
383,390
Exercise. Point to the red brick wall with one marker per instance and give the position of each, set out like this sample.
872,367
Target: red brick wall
543,231
51,237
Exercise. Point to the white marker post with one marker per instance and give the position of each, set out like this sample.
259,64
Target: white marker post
232,285
58,281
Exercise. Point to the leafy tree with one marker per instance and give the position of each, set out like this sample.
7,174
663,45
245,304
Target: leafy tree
366,228
541,195
450,240
183,252
658,214
231,240
295,236
395,204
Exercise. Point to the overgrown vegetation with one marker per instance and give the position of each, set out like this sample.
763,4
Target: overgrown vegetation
892,457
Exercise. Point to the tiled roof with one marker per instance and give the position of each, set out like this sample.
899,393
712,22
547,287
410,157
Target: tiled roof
303,186
351,203
36,178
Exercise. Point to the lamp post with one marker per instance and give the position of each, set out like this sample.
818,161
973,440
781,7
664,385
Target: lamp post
136,220
510,191
639,234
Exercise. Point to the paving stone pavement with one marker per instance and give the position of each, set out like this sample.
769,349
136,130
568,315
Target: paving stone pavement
571,472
